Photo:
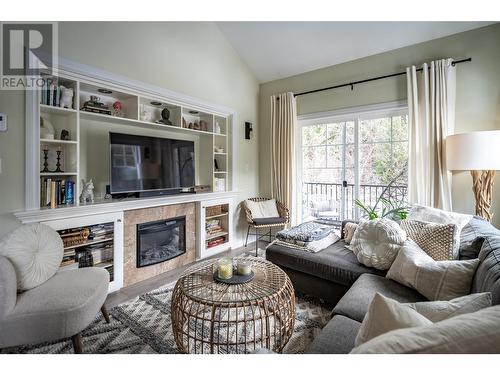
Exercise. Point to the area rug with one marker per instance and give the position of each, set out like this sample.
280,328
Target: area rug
143,325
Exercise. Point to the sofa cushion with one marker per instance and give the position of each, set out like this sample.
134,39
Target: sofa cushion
354,304
337,337
335,263
269,221
487,277
473,235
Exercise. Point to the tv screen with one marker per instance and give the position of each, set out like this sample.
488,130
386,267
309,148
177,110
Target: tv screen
140,164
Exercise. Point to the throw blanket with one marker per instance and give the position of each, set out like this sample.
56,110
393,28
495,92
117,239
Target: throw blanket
305,232
311,246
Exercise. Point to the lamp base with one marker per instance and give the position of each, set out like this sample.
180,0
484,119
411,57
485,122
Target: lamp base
482,186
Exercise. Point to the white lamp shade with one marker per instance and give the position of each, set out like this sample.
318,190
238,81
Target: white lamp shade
473,151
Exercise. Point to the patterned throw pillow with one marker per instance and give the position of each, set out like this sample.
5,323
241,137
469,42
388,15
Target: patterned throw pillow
349,229
440,241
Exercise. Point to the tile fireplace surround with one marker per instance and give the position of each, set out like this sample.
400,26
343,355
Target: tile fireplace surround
132,274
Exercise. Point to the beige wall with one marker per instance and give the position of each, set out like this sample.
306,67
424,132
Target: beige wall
190,58
478,94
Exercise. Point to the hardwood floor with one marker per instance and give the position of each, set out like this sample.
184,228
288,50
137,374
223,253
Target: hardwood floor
145,286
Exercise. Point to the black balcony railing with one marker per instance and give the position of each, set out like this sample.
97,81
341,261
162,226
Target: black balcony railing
320,199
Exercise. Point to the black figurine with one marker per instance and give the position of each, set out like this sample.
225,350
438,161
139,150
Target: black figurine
64,135
165,115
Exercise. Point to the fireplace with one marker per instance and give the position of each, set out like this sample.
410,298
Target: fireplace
161,240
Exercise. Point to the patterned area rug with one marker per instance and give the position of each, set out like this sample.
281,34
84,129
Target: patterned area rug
143,325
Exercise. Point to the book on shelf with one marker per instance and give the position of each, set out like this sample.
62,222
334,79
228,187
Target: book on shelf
219,184
216,241
54,193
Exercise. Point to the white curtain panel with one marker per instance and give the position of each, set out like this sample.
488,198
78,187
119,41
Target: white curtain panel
431,105
283,126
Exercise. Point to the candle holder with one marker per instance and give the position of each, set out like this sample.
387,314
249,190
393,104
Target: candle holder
58,164
243,267
45,161
225,268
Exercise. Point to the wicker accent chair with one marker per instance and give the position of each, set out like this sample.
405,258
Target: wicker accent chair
267,222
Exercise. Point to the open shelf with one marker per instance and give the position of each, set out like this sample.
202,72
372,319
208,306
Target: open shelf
56,110
48,174
58,141
89,242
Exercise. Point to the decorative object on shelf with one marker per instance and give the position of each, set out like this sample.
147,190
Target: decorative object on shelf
243,267
214,210
85,259
202,189
117,109
74,237
95,105
45,161
47,130
479,153
203,125
66,97
165,117
146,113
58,164
184,123
196,126
224,268
64,135
248,130
216,165
217,127
87,195
219,150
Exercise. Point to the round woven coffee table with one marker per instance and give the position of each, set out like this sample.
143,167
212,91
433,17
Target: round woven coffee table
213,317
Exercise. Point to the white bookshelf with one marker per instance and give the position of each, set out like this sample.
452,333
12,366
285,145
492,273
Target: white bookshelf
224,224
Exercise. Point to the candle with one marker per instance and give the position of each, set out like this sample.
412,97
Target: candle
244,267
225,268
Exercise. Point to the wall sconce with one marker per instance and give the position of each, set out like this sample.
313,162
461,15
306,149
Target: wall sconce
248,130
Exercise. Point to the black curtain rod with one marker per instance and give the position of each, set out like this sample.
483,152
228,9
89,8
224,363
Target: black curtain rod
351,84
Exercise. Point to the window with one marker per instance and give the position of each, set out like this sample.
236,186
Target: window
360,155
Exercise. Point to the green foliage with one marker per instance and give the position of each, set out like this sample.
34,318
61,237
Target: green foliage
391,209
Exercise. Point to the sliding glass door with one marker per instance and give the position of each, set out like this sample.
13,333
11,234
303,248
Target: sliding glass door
360,155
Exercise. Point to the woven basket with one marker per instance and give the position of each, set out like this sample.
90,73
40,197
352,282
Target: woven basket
213,210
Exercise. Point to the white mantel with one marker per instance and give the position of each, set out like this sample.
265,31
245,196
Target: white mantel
116,205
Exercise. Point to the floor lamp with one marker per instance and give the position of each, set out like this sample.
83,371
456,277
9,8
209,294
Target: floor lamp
479,153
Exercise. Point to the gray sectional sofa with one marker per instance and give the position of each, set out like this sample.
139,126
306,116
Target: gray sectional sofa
335,275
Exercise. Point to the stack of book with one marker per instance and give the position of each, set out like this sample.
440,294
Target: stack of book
101,231
51,92
56,192
213,226
215,242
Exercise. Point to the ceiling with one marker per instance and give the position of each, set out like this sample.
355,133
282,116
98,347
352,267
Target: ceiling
274,50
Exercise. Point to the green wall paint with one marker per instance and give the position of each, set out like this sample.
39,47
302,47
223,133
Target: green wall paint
190,58
478,94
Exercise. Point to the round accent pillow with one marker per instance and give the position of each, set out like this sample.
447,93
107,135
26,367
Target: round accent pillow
35,251
377,242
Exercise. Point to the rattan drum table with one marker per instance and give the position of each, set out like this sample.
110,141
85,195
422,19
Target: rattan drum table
214,317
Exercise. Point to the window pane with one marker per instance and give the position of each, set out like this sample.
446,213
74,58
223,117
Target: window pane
374,162
314,135
377,130
349,156
334,134
334,156
314,157
333,176
349,130
400,128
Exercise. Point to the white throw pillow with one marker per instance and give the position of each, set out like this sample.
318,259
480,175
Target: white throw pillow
35,251
435,280
474,333
263,209
384,315
377,242
436,311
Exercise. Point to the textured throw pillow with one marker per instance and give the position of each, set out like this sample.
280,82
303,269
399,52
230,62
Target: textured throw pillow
436,311
435,280
263,209
384,315
35,251
349,229
474,333
377,242
440,241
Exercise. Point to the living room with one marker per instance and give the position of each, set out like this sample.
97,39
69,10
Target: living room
239,185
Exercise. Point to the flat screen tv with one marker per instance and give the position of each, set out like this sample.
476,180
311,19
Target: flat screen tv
149,165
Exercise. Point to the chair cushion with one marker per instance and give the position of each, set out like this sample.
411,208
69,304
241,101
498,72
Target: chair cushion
336,263
487,277
262,209
269,221
61,307
354,304
35,251
337,337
